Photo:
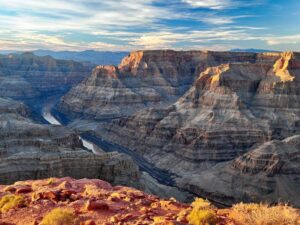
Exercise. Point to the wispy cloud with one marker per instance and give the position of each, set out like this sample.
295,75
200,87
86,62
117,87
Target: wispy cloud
133,24
292,39
222,4
213,4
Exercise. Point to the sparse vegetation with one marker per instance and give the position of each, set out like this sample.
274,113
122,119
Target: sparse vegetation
51,180
91,190
8,202
262,214
60,216
203,213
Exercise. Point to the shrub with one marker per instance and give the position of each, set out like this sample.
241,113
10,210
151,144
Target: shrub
8,202
203,213
262,214
60,216
92,190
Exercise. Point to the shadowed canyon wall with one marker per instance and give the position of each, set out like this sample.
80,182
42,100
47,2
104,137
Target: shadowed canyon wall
199,112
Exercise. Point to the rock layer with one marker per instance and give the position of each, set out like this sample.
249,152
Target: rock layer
230,103
32,151
142,80
27,76
269,173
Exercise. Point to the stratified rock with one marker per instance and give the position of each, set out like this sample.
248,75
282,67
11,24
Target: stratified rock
33,151
268,173
143,79
235,102
26,75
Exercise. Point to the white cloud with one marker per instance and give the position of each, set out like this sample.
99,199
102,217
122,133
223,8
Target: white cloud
125,25
222,4
212,4
292,39
217,20
167,39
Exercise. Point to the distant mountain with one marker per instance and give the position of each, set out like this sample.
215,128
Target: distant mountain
251,50
95,57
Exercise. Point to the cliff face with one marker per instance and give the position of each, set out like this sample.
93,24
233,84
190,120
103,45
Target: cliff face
33,151
231,102
142,80
268,173
27,76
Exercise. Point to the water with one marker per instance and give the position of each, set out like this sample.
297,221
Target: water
52,120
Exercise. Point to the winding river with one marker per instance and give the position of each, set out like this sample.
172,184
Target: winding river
52,120
93,144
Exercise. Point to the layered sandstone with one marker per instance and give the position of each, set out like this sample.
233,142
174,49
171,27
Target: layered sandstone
269,173
32,151
231,103
143,79
27,76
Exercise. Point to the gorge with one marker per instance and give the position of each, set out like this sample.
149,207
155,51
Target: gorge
220,125
197,113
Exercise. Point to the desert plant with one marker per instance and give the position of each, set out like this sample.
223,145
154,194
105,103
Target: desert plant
8,202
60,216
92,190
203,213
262,214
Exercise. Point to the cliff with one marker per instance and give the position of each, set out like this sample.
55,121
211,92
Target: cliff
143,79
268,172
27,76
228,103
32,151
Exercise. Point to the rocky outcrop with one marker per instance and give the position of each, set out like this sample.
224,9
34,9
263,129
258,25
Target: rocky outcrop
26,75
269,173
234,102
90,202
32,151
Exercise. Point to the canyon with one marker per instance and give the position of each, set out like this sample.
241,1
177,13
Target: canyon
29,150
26,75
202,116
220,125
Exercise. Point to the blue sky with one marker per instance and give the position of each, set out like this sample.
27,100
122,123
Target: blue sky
149,24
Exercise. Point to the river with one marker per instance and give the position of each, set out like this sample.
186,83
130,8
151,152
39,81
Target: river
93,143
52,120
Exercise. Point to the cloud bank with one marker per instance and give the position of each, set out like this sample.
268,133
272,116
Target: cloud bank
140,24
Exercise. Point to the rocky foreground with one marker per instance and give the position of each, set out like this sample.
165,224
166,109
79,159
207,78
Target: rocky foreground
225,120
67,201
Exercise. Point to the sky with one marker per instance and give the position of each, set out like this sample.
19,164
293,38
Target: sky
127,25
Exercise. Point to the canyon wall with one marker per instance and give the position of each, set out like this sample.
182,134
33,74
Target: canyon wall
205,108
33,151
27,76
143,79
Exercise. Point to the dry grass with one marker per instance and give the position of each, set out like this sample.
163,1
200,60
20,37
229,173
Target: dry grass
92,191
203,213
8,202
60,216
262,214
